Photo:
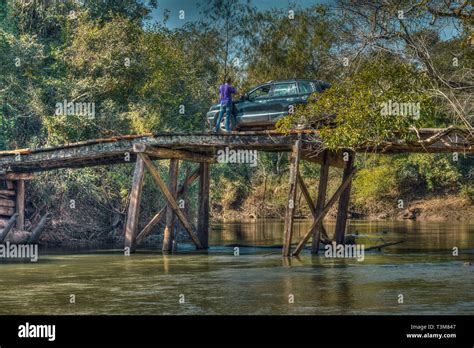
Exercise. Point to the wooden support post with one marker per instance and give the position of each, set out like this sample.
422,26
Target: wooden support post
20,204
309,201
38,230
321,201
290,208
170,199
343,206
161,214
131,227
320,218
203,210
8,227
168,235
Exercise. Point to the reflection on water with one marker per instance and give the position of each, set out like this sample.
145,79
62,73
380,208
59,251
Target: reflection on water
259,281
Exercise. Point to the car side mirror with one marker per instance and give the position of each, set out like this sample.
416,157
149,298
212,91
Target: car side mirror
245,96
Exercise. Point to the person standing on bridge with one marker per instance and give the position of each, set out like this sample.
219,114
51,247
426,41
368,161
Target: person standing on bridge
225,91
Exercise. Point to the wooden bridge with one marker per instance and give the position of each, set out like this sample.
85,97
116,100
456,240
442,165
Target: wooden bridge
18,166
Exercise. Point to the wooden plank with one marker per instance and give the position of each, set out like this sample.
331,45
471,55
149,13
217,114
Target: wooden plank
7,211
161,214
343,207
170,199
203,209
334,158
320,202
7,203
168,235
9,193
134,206
16,176
320,218
163,152
290,208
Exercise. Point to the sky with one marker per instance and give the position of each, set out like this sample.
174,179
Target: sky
191,9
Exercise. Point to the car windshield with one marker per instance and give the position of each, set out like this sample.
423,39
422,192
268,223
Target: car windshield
284,89
260,92
305,87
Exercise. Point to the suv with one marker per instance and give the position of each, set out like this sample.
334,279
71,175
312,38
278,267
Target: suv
264,105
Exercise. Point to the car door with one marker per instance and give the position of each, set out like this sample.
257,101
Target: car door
305,89
253,108
283,95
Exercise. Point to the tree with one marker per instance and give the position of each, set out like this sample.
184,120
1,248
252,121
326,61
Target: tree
411,29
228,20
367,106
290,45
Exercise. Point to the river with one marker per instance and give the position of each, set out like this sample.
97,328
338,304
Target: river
257,281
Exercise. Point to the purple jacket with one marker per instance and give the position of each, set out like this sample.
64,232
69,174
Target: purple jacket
225,92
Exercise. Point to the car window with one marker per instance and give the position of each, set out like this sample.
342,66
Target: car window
260,92
284,89
305,87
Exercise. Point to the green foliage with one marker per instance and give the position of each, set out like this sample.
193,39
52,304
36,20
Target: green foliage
434,173
362,104
374,184
467,192
283,47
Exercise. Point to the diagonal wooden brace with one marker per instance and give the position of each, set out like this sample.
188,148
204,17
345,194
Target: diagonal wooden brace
188,181
328,206
170,199
312,207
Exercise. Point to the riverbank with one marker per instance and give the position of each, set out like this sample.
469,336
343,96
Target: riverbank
440,208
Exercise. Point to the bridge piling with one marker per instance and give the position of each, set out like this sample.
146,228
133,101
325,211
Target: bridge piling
20,204
343,205
290,208
203,210
131,226
320,201
169,233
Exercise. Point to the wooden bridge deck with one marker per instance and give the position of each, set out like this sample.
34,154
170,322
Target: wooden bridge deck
113,150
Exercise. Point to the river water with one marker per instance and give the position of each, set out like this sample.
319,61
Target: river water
258,281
